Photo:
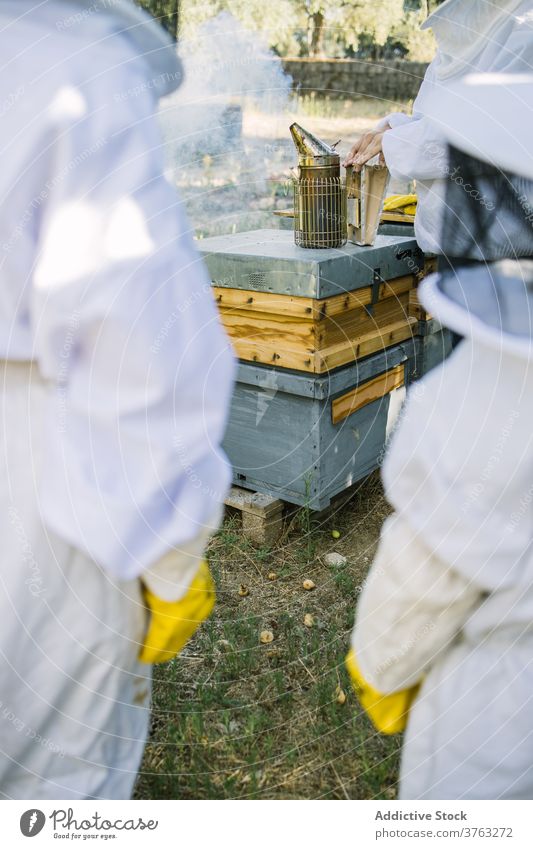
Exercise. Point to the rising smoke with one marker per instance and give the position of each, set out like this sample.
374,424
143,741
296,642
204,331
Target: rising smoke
226,130
226,68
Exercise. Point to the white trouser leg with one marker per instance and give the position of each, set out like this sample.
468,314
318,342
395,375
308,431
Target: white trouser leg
74,701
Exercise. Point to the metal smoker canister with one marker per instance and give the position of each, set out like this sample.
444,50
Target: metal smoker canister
319,195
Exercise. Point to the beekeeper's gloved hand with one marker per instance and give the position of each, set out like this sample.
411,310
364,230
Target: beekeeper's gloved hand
172,623
179,594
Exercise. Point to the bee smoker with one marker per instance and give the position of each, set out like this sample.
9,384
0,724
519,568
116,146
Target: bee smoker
319,195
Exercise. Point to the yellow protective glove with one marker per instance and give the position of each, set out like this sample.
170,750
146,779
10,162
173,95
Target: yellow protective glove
388,713
403,202
172,623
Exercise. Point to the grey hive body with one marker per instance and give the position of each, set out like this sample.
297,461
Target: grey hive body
269,261
281,439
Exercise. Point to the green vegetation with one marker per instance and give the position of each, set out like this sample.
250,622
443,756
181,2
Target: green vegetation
235,718
375,30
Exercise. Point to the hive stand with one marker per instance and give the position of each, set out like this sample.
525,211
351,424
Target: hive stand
262,515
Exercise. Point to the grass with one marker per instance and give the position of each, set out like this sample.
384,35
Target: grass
233,718
314,105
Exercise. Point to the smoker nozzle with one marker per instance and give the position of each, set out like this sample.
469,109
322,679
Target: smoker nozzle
310,147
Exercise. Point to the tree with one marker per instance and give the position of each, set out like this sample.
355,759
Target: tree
352,25
315,15
317,33
337,26
166,11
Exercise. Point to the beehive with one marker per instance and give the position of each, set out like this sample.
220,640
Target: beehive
328,342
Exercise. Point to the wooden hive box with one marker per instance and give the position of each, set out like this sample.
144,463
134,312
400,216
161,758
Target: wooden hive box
313,310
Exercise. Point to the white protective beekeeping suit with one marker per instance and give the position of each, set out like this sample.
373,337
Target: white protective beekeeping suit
472,36
448,603
115,381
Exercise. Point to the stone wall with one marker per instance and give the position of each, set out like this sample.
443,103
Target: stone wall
393,80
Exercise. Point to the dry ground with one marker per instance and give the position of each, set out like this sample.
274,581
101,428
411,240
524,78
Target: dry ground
235,718
232,717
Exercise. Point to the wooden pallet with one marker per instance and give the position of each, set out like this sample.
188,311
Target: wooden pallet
262,515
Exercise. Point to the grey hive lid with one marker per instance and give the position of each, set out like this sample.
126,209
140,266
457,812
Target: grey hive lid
269,261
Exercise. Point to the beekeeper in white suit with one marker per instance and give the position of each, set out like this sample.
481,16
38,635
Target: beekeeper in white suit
444,629
472,36
115,381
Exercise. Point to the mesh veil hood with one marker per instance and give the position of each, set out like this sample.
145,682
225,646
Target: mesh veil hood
463,28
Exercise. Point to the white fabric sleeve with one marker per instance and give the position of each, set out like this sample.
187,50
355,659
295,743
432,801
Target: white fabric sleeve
172,575
394,119
459,463
412,606
127,333
414,150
